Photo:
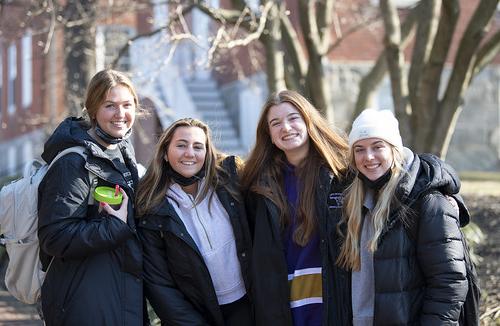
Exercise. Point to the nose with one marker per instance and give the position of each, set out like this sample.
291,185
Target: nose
189,152
369,154
286,125
120,110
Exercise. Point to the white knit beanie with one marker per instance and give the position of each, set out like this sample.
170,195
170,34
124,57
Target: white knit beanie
372,123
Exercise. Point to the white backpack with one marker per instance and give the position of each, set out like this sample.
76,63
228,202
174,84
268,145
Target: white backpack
19,226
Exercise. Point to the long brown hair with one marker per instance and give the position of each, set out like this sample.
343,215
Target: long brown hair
153,186
99,87
263,172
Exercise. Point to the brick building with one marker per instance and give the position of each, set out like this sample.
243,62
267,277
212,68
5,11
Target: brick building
32,83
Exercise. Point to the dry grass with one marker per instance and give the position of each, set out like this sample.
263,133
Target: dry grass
480,188
480,183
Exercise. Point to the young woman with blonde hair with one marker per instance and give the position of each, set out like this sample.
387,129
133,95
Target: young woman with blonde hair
195,234
398,280
294,180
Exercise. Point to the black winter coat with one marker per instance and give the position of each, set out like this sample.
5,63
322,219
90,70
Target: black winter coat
422,281
95,276
177,281
270,290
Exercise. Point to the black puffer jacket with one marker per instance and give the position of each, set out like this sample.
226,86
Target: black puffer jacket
177,281
422,281
270,290
95,277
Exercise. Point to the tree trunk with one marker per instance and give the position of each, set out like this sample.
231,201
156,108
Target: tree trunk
80,46
461,76
274,54
395,63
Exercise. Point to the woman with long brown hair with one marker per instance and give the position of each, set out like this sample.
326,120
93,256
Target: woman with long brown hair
294,178
195,235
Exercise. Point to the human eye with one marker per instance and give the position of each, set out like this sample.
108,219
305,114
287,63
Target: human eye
180,145
359,150
199,147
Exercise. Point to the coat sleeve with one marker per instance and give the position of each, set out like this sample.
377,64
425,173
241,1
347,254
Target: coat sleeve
440,254
169,303
65,229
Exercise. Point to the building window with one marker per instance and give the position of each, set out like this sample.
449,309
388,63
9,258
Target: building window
27,151
12,73
109,41
1,80
27,69
11,161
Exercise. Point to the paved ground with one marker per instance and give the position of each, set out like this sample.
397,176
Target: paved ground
13,312
485,211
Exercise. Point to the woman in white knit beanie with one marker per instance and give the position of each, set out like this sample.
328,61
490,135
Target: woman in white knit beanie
402,240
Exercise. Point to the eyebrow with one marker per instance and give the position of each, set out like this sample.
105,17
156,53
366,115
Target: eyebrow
113,102
186,141
374,143
288,115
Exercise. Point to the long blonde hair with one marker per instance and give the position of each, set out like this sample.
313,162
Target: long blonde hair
263,172
353,215
153,186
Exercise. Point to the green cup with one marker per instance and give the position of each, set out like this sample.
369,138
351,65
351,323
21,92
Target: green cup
107,195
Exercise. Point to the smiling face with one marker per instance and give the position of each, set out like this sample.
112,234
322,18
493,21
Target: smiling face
288,131
116,114
187,150
373,157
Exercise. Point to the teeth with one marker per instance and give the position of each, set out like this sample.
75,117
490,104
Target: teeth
289,137
188,163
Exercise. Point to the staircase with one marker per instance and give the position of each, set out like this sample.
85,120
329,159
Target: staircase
208,102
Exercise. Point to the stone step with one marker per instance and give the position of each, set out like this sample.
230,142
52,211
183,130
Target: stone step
206,97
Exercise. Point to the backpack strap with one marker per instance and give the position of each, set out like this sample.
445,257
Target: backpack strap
82,151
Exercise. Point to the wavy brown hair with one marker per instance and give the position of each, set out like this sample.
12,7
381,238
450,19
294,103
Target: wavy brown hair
153,186
263,172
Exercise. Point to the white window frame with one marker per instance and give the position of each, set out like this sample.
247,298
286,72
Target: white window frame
12,74
27,151
27,70
11,160
1,80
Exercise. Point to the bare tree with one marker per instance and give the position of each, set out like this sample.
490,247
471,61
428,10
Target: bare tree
428,117
295,51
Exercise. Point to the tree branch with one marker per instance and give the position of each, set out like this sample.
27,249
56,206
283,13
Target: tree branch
295,56
395,63
324,18
371,80
352,30
424,38
487,53
462,72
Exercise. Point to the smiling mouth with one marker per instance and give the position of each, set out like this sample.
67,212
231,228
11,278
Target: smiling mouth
188,163
289,137
372,166
119,123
